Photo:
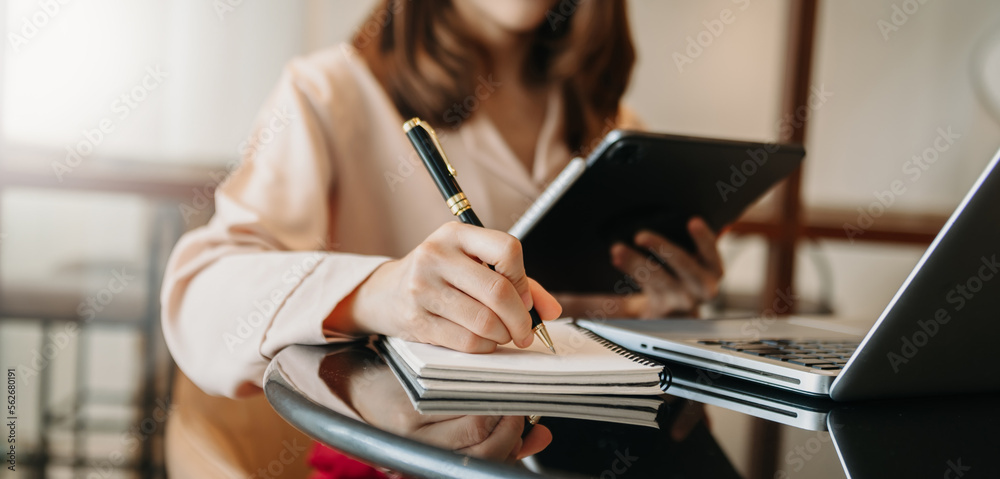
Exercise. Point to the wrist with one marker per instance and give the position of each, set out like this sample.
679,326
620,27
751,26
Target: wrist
353,314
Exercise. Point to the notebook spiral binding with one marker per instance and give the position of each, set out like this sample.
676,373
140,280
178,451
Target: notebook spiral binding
666,376
618,349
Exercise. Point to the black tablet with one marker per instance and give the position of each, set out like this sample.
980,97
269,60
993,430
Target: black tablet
636,180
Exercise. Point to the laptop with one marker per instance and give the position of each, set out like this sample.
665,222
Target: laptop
871,439
750,398
938,334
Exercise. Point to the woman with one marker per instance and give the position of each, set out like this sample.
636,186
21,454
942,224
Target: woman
515,88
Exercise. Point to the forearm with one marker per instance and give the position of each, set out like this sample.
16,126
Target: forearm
228,309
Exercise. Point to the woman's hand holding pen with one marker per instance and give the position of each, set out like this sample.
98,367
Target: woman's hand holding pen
442,293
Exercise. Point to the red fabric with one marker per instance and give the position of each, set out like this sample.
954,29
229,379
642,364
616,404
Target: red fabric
330,464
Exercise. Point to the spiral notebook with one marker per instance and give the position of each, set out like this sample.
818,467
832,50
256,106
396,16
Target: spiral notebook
585,364
634,410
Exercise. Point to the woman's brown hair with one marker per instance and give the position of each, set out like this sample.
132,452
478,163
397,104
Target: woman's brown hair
427,61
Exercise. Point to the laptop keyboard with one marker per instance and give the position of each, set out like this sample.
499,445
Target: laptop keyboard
817,354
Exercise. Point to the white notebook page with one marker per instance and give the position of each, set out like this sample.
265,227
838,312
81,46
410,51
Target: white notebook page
578,355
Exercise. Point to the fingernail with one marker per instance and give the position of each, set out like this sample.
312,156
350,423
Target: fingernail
642,238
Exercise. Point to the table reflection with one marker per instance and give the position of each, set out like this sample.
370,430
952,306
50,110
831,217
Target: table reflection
874,439
355,381
366,384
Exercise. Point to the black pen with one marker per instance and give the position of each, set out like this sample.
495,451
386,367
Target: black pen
426,143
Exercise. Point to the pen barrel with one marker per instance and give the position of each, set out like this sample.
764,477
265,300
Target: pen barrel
536,320
469,217
435,163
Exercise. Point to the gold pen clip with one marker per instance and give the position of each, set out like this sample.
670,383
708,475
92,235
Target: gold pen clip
414,122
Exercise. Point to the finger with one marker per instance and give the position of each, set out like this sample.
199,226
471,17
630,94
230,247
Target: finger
662,292
494,291
695,276
707,242
513,452
505,439
647,273
536,441
434,329
496,248
457,433
546,305
460,308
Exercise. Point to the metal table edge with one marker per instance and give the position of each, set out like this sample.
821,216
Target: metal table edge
370,444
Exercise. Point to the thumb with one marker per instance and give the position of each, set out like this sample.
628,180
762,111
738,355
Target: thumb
537,440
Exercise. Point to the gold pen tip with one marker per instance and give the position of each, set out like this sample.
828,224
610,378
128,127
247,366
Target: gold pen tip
543,334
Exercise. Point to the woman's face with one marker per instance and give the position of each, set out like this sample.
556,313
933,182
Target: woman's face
510,16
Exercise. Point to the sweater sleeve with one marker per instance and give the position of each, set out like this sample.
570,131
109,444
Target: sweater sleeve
262,274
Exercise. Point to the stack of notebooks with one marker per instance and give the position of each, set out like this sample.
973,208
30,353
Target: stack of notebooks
590,378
